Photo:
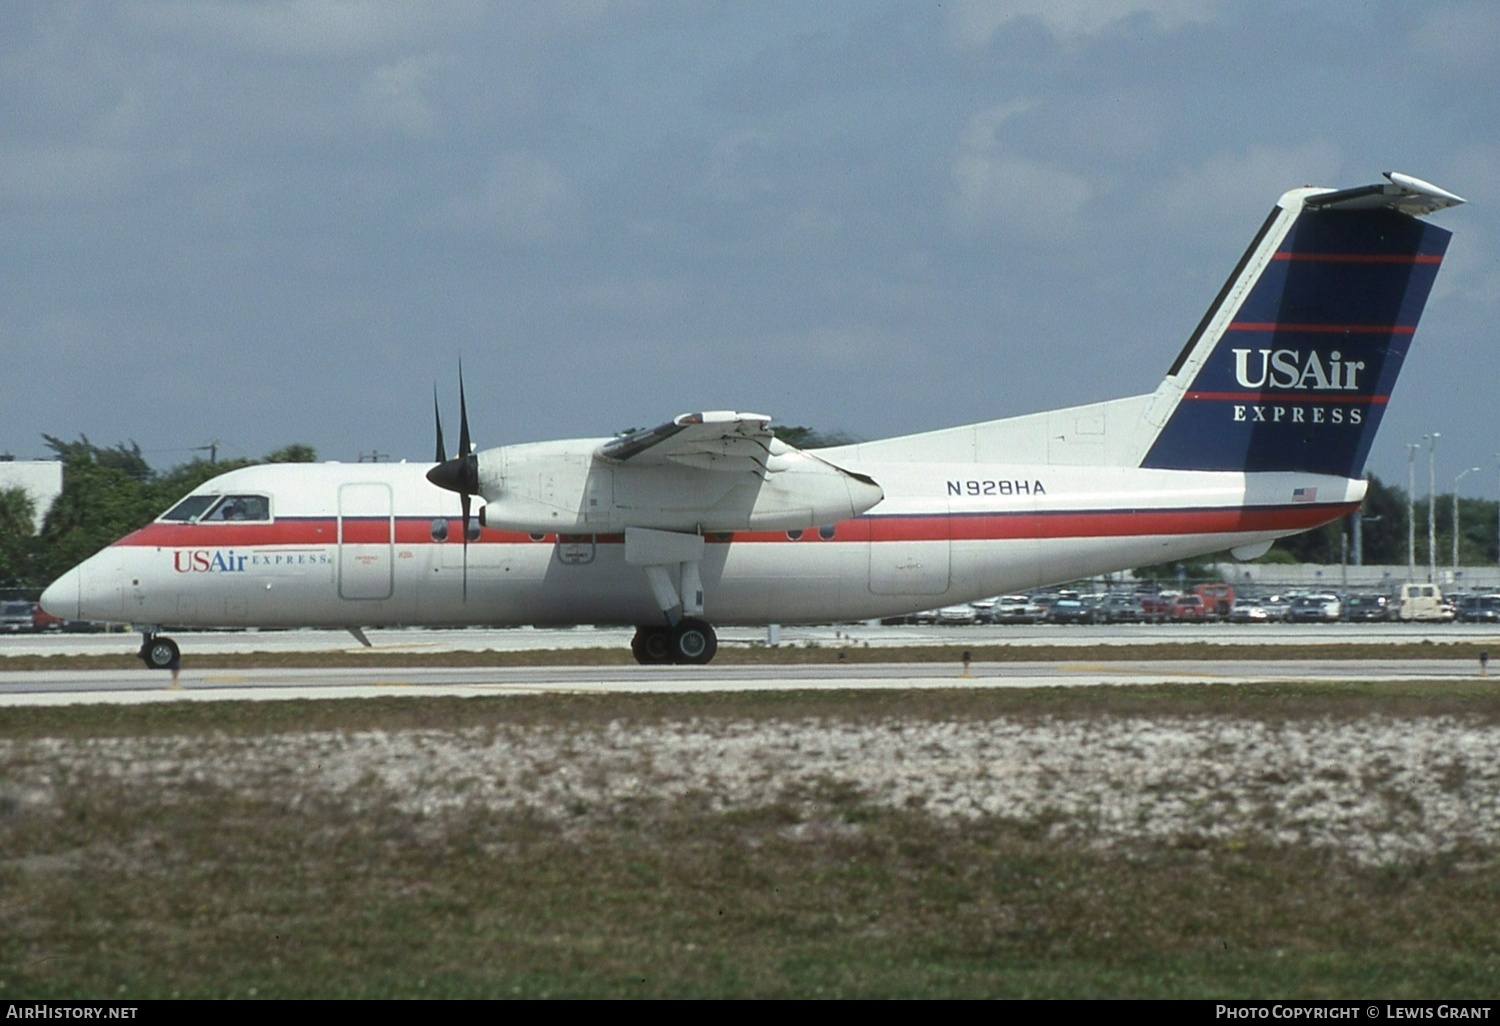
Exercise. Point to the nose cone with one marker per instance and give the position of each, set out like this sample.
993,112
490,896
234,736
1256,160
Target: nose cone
61,597
92,590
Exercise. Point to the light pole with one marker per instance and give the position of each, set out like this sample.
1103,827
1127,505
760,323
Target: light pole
1432,506
1411,508
1456,480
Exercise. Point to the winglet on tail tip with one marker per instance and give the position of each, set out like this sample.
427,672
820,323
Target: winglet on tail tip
1399,192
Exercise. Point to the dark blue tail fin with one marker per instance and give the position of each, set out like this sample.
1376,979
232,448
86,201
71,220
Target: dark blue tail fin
1293,365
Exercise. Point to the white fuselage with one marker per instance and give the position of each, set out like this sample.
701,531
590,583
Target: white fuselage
375,544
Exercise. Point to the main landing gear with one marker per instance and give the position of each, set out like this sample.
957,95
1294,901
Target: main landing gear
158,652
692,641
672,563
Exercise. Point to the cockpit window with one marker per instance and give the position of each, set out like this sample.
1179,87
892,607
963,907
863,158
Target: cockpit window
190,508
201,509
239,507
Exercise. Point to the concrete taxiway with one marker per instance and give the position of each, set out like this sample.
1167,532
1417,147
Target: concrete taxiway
132,685
478,639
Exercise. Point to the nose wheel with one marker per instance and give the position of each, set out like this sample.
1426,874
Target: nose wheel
159,653
691,642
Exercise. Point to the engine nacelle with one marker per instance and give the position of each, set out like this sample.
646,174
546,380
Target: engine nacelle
566,488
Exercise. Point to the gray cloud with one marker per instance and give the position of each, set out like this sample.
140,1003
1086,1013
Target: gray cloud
276,222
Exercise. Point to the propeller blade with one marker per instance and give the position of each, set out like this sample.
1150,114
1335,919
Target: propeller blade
464,444
460,473
464,499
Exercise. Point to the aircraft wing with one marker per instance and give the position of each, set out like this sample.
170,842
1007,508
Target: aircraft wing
718,440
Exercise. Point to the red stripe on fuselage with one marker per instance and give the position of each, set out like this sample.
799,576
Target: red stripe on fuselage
1340,329
979,526
1100,523
1290,397
1362,258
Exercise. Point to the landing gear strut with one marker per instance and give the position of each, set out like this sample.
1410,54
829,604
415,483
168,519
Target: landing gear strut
158,652
672,562
691,642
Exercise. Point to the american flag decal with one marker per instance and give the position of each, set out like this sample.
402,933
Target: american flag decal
1304,495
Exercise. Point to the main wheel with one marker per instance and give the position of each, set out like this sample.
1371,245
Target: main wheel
651,646
159,653
693,642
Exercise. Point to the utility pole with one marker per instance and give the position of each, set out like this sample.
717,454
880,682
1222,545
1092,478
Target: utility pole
1411,508
1456,480
1432,506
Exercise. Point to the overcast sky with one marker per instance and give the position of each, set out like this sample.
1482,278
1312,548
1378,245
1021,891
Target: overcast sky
273,222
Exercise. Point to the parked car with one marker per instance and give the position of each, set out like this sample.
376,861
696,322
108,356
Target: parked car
1316,609
1188,607
41,620
1117,608
1248,611
1070,610
1015,609
984,609
1047,599
1154,608
959,614
1479,608
1277,607
1366,608
15,617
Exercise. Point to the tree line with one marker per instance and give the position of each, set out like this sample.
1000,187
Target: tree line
1384,526
110,491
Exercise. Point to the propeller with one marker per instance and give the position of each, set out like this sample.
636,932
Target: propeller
461,473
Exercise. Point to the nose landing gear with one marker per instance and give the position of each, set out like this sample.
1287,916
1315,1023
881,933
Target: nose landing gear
158,652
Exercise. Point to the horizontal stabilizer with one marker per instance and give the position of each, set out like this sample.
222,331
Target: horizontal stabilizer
1400,192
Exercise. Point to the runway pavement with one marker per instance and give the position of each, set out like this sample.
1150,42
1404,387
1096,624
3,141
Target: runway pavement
861,635
131,686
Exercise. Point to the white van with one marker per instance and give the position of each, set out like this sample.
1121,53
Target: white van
1422,602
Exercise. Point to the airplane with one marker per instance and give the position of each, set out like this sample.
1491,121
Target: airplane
1259,430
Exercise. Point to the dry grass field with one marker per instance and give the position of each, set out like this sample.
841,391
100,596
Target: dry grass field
1276,840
